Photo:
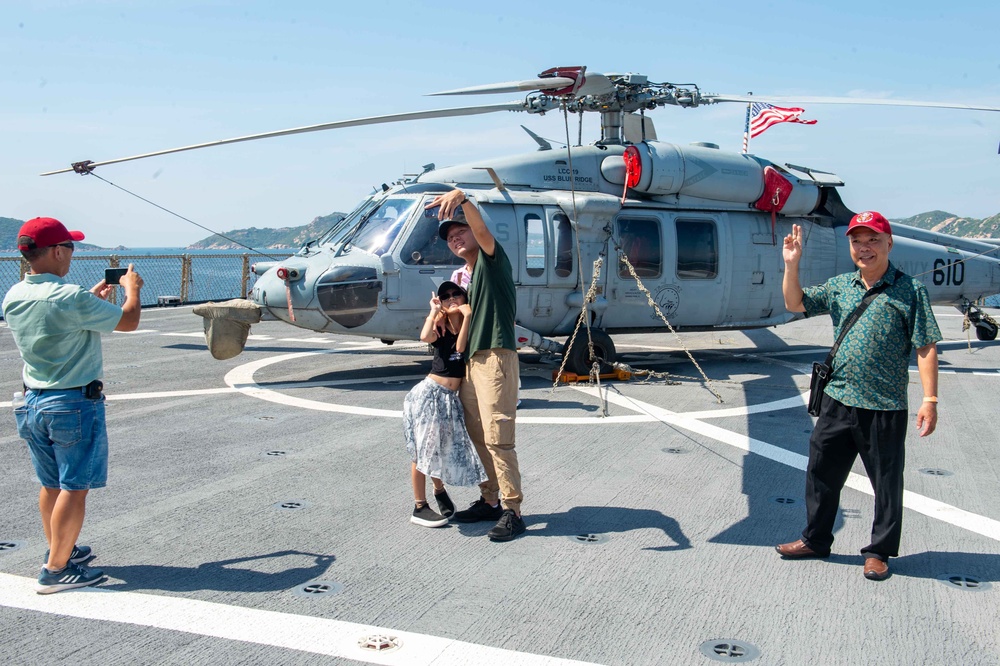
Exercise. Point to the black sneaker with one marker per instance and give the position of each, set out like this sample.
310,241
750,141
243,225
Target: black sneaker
478,511
508,527
80,555
73,575
425,516
445,505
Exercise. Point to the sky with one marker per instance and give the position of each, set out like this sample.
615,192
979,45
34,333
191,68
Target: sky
100,79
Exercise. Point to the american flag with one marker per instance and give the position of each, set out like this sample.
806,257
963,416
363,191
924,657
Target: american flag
764,115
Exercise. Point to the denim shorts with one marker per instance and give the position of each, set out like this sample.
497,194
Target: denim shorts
67,437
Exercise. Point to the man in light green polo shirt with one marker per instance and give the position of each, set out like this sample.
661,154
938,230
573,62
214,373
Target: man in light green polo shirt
57,327
864,407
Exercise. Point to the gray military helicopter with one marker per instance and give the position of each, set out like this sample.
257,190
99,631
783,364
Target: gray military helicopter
695,226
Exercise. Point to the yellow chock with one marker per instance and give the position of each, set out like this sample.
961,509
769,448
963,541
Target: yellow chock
571,378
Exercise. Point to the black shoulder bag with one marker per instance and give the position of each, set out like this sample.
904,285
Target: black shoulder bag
822,371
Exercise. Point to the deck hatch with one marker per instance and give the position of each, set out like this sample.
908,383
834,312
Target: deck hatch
729,650
935,471
9,546
965,582
291,505
589,539
318,588
379,643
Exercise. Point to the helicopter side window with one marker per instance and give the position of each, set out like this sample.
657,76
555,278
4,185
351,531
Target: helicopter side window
697,250
564,246
534,236
424,247
640,241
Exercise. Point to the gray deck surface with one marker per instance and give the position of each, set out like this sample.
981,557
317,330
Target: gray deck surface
684,499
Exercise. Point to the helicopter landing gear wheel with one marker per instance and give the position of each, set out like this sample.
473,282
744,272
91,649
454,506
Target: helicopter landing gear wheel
578,359
986,330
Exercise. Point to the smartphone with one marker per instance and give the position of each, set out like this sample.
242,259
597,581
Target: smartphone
114,275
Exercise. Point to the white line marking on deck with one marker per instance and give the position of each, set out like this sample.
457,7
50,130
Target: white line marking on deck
303,633
981,525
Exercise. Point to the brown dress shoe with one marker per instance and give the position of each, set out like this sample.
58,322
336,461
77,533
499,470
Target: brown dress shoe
797,550
876,569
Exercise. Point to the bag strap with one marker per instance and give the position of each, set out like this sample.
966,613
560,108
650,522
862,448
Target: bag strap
856,315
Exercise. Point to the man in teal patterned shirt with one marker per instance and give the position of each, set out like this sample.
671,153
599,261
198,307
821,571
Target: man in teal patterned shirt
864,407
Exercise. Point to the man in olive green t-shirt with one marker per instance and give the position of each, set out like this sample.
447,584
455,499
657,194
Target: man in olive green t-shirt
489,392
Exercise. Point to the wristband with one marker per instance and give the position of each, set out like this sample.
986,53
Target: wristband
463,201
932,398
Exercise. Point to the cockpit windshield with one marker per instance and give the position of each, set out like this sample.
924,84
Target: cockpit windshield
340,229
375,229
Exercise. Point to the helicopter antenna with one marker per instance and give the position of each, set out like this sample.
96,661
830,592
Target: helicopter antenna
542,143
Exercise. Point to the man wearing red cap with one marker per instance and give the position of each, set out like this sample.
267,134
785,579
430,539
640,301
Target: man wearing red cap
864,406
57,327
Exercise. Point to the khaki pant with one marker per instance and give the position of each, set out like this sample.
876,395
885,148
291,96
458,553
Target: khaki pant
489,398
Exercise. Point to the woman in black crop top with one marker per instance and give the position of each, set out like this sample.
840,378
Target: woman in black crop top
433,420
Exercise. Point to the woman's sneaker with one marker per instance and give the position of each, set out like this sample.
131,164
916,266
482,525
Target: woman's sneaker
80,555
445,505
427,517
72,576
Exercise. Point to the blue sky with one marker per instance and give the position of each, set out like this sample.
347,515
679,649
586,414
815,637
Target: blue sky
100,79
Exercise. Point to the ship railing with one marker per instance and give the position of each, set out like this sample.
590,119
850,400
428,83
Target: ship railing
168,278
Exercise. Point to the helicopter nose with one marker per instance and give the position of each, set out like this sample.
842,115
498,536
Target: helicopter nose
349,295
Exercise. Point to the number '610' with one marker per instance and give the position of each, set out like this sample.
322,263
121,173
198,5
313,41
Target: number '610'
948,272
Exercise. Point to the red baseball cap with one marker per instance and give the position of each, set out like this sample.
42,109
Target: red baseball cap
46,231
870,220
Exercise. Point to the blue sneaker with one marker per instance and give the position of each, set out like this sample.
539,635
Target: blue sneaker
80,555
72,576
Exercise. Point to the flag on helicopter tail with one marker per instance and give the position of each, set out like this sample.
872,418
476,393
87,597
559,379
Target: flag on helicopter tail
764,115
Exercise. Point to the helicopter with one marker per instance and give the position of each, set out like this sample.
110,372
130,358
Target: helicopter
693,230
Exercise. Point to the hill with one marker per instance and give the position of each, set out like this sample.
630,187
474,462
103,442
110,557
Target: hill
270,239
947,223
8,236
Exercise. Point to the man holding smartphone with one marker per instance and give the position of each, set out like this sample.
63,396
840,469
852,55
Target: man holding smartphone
57,327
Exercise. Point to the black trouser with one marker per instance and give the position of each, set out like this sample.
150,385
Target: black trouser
841,434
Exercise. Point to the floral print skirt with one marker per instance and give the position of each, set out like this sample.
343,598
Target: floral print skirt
436,437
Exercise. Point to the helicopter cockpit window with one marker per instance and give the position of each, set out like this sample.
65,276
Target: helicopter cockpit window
564,246
640,241
340,229
424,247
379,227
697,250
534,254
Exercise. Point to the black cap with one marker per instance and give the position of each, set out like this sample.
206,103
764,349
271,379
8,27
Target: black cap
448,285
458,217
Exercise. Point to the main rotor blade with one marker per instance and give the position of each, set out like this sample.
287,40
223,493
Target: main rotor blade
550,83
844,100
371,120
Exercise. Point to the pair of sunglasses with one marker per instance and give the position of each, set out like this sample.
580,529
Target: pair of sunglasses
451,294
68,245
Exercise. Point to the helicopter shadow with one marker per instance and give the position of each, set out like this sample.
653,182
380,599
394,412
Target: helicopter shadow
219,575
581,521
